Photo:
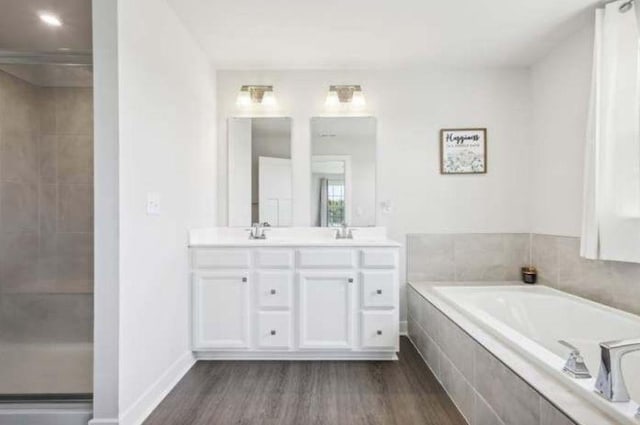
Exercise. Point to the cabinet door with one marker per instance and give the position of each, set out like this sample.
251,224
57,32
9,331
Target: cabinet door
221,310
326,309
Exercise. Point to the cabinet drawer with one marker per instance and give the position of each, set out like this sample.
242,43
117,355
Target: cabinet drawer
274,258
378,289
274,329
379,329
379,258
326,258
221,258
274,289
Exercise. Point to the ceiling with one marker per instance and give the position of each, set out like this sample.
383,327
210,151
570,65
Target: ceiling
332,34
21,28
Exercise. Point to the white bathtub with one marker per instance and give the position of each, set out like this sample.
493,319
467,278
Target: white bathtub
532,319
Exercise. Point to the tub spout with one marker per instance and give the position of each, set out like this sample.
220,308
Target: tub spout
610,383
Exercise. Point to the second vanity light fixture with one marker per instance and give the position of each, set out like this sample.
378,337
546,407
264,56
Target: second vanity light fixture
256,95
345,95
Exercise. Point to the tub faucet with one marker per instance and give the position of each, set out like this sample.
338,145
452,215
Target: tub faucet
257,231
575,366
610,383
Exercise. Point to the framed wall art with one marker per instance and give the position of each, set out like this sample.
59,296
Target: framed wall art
463,151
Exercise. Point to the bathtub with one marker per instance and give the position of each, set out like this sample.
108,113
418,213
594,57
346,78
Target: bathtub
532,319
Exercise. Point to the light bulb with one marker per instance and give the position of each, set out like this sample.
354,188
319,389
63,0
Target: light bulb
357,101
244,99
269,99
332,99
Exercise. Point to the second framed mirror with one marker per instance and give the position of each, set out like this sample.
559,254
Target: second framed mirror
343,171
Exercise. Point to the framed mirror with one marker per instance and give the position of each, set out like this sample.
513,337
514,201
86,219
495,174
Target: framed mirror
343,171
260,188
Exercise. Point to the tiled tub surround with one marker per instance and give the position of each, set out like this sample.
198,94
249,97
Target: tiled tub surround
499,256
488,381
608,282
46,233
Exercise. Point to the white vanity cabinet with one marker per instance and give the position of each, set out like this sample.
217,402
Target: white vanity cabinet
295,302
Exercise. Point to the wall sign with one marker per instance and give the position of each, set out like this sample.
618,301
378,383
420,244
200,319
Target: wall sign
463,151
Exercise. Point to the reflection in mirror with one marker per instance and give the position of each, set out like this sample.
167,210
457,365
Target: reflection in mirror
259,171
343,171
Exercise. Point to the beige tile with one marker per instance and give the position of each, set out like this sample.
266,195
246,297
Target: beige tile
479,257
430,257
75,208
19,207
483,414
19,110
74,111
544,256
47,104
74,159
549,415
48,206
48,161
18,261
19,155
75,259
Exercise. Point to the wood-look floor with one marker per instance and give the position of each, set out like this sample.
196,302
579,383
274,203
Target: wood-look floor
309,392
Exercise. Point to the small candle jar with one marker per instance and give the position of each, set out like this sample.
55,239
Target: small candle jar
529,275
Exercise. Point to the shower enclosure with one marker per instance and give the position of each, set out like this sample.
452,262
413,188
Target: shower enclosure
46,227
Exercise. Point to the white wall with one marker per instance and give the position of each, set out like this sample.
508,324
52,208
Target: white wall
167,145
560,84
411,107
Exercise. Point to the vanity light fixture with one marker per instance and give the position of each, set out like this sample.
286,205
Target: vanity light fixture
345,94
50,19
250,95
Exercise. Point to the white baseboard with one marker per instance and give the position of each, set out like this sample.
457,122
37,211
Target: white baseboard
110,421
403,327
45,413
149,400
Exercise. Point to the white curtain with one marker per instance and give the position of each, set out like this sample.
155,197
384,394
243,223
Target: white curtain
611,222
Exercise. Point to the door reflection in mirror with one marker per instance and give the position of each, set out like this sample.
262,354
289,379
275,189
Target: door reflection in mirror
260,182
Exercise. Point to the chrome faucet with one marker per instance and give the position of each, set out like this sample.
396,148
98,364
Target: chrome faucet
257,230
610,383
344,232
575,365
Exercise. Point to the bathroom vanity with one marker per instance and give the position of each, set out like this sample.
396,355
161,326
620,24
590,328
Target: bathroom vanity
299,294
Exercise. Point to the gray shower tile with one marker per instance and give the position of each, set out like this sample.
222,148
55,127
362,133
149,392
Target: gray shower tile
430,257
75,208
47,109
74,159
19,207
479,257
75,259
18,261
19,157
74,111
48,206
48,162
458,347
489,378
625,285
521,404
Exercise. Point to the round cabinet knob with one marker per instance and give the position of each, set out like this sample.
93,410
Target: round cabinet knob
379,292
350,280
379,332
273,332
272,292
244,279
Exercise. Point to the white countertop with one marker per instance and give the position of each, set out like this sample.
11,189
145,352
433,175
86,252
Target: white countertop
289,237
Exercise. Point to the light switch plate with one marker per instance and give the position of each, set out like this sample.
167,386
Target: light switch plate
153,203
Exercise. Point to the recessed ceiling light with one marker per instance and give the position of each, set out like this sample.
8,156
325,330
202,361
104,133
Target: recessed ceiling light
50,19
